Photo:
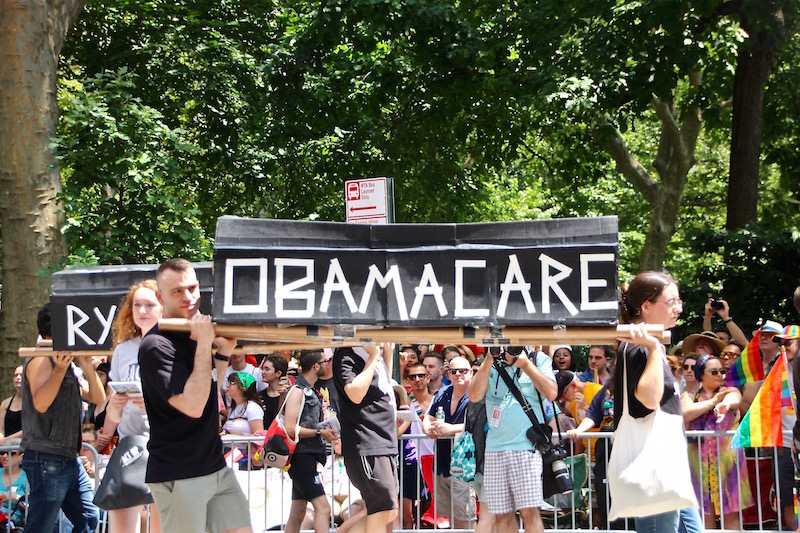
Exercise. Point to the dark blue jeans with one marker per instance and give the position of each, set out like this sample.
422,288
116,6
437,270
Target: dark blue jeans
658,523
58,482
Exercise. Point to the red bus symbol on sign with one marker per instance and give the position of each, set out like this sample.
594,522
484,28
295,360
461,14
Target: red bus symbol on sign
353,191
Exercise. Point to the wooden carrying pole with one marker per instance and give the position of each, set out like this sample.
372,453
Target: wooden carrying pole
509,335
43,351
260,348
273,338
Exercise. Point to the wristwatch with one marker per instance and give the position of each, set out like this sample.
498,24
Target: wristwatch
318,432
730,319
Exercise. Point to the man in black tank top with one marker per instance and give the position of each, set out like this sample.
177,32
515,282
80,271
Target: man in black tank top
51,440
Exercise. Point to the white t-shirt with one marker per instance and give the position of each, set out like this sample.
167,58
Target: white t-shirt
424,446
125,367
239,419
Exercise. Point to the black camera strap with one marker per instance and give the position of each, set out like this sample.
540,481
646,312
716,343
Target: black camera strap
514,390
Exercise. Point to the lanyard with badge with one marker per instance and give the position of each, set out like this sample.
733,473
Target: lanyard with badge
497,411
538,433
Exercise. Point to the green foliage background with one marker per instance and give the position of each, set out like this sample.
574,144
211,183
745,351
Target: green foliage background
174,113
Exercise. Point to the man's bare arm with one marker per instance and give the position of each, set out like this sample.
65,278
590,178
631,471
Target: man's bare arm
357,389
45,379
192,401
480,381
546,386
96,393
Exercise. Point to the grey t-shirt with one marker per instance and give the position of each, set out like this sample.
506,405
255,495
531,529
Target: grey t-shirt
125,367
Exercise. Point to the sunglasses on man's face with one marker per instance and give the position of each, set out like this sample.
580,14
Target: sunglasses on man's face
463,371
728,355
688,367
417,376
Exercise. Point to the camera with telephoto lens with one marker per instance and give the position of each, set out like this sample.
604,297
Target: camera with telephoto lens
716,304
552,452
553,456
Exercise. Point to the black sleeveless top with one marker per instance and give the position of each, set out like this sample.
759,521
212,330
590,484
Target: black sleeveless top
13,420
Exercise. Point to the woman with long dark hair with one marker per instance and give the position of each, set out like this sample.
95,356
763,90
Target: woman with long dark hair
246,415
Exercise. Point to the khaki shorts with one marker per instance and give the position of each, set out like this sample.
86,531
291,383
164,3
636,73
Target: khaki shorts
462,498
212,503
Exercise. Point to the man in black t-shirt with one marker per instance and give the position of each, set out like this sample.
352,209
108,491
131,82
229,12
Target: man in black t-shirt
325,384
369,429
186,473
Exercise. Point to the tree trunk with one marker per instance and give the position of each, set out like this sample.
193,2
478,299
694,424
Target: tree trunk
754,63
673,161
663,225
31,35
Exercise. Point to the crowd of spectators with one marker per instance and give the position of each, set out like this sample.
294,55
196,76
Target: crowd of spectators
439,391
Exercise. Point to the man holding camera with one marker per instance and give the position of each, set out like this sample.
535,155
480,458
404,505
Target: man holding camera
513,467
721,308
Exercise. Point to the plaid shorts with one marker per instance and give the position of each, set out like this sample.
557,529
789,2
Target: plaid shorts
512,480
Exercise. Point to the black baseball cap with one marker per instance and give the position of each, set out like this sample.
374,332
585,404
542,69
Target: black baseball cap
563,379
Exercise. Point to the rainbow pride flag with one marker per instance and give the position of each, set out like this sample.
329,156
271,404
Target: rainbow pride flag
748,367
761,425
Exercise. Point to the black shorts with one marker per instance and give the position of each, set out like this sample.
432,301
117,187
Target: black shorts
306,481
376,477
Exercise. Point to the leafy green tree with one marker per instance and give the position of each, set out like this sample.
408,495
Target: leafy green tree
480,111
198,65
755,271
781,139
621,62
124,191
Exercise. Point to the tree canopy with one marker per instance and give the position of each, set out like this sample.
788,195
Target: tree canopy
480,111
174,113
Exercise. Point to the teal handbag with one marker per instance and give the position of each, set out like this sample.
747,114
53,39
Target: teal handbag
462,458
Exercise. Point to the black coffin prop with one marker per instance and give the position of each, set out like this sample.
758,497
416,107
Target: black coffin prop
85,300
543,272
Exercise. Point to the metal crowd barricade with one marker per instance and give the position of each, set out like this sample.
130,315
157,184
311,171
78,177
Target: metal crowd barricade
569,518
770,494
269,490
